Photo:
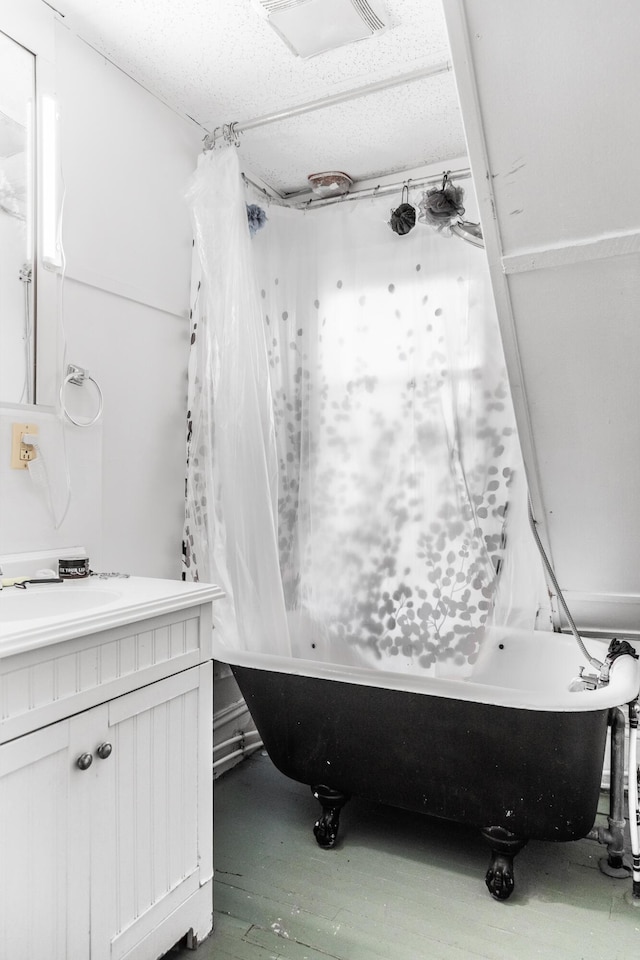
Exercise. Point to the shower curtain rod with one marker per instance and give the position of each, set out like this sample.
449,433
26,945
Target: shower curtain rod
296,200
230,131
303,200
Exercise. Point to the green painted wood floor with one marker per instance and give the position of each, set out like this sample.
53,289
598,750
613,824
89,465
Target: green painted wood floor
398,886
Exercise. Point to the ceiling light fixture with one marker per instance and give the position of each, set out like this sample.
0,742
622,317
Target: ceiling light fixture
334,183
310,27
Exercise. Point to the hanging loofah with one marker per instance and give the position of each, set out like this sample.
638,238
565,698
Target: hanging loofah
442,207
403,218
256,218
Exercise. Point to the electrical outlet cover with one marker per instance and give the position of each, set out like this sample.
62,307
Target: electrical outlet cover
22,453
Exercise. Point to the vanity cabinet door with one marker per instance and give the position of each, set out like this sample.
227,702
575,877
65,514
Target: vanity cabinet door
44,862
106,838
151,819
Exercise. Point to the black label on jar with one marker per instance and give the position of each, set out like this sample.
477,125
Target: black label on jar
73,568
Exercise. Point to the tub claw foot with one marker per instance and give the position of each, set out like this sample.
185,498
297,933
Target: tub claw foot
504,846
326,828
499,877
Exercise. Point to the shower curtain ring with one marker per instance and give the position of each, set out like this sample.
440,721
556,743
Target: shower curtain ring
210,141
230,134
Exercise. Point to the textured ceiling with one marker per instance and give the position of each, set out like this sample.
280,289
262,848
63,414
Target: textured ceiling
218,61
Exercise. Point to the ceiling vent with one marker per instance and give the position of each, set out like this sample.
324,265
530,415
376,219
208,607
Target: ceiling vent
310,27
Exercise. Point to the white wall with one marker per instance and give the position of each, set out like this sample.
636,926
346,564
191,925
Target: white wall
126,161
547,90
25,518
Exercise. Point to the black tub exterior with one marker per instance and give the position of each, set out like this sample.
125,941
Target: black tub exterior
529,773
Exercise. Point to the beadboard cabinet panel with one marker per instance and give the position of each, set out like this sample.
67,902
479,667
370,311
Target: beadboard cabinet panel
35,846
106,830
93,860
37,686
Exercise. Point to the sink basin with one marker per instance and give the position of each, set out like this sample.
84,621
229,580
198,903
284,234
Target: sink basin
51,600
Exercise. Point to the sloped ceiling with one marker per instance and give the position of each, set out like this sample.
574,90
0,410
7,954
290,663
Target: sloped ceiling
547,91
219,61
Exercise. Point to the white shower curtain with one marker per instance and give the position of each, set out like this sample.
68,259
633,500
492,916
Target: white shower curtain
353,430
232,475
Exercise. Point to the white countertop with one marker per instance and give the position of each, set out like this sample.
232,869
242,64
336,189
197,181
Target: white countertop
43,614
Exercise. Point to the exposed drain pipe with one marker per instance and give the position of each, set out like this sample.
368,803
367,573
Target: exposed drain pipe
243,751
634,897
240,736
613,835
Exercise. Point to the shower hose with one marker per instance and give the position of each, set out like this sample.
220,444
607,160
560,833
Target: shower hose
592,660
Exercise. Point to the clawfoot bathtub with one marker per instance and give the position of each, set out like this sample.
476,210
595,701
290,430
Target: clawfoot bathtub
515,747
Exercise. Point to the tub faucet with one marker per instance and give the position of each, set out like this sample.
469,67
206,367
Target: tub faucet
584,681
600,678
617,648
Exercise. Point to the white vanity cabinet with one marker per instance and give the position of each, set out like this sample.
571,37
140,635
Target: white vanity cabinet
106,791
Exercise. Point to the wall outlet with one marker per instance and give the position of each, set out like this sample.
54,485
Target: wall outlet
22,453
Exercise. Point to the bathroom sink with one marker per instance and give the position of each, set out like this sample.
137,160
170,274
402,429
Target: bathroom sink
53,600
47,613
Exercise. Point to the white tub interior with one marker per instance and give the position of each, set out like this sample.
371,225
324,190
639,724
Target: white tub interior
515,668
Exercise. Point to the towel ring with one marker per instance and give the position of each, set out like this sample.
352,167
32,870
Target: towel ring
79,376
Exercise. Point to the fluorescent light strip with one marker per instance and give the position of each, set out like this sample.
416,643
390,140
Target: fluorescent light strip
51,258
30,182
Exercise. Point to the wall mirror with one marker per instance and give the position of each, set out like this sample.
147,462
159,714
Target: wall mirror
17,223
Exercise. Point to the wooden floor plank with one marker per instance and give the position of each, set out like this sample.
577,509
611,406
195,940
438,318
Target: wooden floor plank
278,880
231,926
270,913
288,949
341,939
398,886
227,942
